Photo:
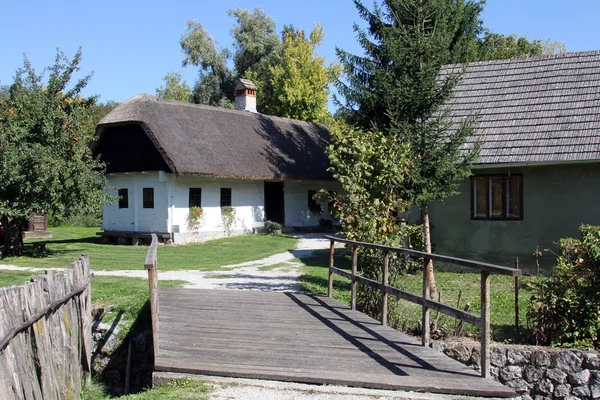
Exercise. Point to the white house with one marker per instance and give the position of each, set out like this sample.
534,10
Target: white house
165,156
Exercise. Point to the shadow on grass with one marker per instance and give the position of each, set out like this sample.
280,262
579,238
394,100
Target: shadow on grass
139,339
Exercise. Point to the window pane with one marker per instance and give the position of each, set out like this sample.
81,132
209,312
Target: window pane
123,198
225,197
195,197
497,198
515,186
481,197
148,197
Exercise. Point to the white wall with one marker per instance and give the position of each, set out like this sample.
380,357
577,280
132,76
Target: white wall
135,218
296,202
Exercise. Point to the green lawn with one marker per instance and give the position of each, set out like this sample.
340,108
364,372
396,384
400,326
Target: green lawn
68,243
178,389
406,316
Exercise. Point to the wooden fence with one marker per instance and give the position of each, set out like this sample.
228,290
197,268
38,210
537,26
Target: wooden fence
483,321
151,266
45,335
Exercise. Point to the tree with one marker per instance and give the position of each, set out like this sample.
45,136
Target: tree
494,46
296,82
174,88
397,87
254,41
45,162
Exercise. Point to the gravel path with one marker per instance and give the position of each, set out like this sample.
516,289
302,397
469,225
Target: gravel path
277,273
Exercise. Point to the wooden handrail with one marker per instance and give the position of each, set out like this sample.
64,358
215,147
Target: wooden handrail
483,321
151,266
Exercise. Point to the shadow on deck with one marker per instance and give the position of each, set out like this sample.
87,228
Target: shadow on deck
300,338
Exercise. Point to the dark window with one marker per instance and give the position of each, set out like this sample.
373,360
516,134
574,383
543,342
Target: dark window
148,197
195,197
498,197
313,206
123,198
225,197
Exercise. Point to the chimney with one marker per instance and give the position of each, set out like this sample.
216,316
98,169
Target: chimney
245,95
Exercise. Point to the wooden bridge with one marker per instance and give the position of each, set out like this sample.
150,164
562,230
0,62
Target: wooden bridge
305,338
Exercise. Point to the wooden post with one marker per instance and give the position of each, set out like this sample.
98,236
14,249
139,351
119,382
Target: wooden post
385,281
425,318
517,333
331,259
354,272
151,266
485,324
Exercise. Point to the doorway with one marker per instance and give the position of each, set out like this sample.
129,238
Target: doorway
274,203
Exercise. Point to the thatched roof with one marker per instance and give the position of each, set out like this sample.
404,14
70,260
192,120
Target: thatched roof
533,110
211,141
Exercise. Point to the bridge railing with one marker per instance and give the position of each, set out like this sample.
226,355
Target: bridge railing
151,266
482,321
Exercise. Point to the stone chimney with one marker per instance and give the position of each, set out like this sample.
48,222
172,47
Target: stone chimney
245,95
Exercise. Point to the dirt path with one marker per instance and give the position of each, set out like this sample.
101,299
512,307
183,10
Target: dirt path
277,273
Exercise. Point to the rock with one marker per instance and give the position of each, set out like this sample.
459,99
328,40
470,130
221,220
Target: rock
494,372
538,397
532,374
459,352
510,373
591,360
582,392
556,376
545,388
579,378
567,361
595,391
438,345
518,356
561,391
475,360
518,385
595,376
540,358
498,357
525,397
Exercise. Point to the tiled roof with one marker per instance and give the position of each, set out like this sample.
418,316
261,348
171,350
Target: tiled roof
533,110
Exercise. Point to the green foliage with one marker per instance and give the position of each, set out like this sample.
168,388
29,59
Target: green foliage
565,309
228,216
45,162
296,82
174,88
494,46
272,227
195,218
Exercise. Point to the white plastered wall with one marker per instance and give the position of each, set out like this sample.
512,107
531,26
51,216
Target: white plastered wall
297,213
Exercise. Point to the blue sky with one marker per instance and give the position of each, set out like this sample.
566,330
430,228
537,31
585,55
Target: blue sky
130,45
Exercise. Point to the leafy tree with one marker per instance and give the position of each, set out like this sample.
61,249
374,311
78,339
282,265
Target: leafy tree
45,162
494,46
174,88
397,87
296,82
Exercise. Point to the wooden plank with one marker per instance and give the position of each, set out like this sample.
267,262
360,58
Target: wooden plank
354,273
385,281
331,266
485,324
496,269
151,266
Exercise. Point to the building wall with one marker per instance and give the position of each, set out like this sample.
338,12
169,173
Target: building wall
297,213
556,201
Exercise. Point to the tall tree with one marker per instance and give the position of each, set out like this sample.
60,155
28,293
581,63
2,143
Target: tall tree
398,88
296,82
494,46
174,88
45,162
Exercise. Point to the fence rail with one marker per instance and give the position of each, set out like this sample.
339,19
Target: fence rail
483,321
151,266
45,335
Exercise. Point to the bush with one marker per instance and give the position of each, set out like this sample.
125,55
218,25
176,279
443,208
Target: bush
272,227
565,309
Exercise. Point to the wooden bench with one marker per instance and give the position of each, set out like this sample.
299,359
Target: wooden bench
36,249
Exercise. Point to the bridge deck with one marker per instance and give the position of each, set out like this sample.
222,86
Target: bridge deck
300,338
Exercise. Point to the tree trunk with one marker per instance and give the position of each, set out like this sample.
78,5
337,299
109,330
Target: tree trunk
428,264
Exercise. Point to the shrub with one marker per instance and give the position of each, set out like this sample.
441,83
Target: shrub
272,227
228,217
195,218
565,307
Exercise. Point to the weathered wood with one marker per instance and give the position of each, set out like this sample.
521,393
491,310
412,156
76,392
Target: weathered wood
425,310
152,266
496,269
385,281
485,324
517,330
300,338
331,265
354,272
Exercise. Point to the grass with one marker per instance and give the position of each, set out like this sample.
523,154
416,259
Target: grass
406,316
178,389
68,243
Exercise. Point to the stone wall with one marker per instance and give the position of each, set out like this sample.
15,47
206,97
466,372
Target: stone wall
538,373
